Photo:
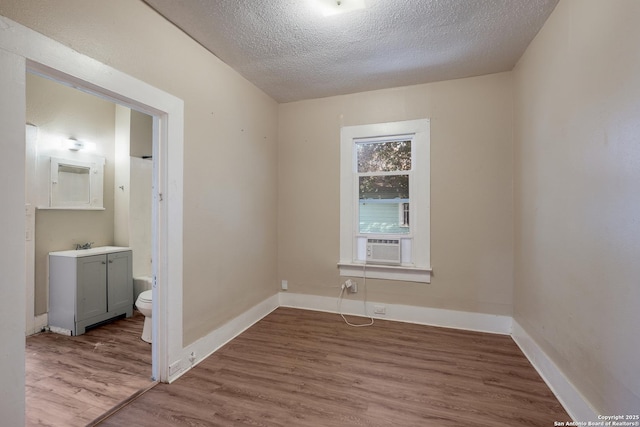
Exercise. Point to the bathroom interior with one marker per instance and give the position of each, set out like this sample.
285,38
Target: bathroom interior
67,128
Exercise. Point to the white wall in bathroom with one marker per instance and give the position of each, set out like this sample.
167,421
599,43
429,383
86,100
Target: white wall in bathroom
140,215
122,178
133,186
141,175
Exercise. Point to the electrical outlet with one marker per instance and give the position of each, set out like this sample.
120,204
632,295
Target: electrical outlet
351,286
379,309
285,285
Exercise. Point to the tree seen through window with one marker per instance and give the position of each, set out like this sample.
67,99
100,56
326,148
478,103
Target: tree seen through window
383,168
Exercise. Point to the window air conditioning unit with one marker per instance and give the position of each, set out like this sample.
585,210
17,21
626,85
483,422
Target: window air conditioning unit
383,251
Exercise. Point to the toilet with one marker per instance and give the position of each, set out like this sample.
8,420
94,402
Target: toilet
144,304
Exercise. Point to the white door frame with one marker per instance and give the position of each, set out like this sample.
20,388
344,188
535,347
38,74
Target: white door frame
30,222
23,50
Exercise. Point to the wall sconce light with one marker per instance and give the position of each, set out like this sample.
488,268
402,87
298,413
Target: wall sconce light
75,145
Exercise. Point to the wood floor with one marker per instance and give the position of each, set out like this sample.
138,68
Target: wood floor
71,381
305,368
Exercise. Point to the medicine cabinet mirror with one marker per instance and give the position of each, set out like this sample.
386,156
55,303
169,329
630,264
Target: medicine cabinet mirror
76,184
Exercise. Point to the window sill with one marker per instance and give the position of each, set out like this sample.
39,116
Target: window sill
387,272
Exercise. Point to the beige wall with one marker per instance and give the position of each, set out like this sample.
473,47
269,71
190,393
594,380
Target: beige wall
230,155
471,191
58,110
577,204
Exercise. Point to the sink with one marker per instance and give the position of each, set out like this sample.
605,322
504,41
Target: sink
100,250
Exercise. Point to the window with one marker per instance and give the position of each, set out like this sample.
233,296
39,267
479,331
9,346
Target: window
384,194
384,173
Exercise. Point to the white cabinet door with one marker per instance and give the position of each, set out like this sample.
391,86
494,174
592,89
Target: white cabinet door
91,287
120,281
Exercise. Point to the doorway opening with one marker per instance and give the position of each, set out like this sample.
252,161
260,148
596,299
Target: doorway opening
23,50
109,207
166,250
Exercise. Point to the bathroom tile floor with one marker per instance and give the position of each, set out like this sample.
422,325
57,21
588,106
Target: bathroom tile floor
71,381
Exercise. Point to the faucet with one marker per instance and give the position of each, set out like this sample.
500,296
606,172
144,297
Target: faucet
84,246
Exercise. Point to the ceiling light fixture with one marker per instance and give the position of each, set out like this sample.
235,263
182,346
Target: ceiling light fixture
335,7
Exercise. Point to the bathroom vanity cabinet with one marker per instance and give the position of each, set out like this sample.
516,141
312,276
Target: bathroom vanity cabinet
88,287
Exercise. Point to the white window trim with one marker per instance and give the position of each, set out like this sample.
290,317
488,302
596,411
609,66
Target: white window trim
419,269
401,215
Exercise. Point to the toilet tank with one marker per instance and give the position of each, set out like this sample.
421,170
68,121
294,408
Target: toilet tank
141,284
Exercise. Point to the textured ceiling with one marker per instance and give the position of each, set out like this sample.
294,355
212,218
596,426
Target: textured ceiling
292,52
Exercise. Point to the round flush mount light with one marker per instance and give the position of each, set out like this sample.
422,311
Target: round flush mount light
335,7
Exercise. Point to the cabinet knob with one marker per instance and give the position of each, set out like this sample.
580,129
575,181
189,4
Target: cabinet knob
103,262
110,261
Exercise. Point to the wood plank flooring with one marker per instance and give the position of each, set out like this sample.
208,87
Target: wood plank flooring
305,368
70,381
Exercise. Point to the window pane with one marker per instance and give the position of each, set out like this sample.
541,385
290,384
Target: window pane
384,187
381,199
384,156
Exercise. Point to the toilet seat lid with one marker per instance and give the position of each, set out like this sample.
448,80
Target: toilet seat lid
145,296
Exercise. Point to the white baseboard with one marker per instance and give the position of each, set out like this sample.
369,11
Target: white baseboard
481,322
569,397
207,345
60,331
40,322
